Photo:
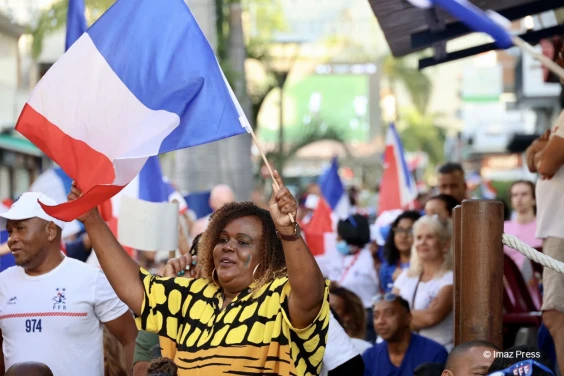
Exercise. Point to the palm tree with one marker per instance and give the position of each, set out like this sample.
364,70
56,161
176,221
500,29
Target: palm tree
313,133
398,72
423,132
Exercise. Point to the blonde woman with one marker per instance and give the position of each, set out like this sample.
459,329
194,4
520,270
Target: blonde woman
428,282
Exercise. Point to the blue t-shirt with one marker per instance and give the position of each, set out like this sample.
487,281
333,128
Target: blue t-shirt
421,350
386,273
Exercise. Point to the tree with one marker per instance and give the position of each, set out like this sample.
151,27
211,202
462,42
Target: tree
314,133
55,18
397,71
423,132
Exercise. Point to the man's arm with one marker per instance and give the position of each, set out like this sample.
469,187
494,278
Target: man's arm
551,158
125,330
537,146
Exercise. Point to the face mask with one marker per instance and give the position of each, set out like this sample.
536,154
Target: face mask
343,247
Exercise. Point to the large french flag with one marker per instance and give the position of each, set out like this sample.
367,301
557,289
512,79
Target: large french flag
397,189
143,80
333,205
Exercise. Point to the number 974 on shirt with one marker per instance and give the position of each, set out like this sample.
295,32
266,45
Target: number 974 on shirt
33,325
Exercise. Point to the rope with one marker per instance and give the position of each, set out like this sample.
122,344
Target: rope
533,254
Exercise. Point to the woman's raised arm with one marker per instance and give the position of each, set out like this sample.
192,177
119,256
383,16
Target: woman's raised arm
120,269
306,281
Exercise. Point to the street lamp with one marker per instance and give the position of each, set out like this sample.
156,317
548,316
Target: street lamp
283,54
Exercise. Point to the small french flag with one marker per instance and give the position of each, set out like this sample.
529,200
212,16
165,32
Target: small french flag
333,206
397,189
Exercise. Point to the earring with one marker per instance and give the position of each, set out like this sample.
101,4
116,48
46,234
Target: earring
214,273
254,271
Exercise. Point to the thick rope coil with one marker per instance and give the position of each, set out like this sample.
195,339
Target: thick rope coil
531,253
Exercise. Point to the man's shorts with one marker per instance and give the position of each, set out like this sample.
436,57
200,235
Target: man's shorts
553,282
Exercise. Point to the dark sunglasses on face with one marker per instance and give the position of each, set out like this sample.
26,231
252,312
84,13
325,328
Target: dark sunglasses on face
522,368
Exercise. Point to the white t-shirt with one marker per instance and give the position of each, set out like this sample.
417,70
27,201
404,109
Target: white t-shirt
361,345
55,318
354,272
340,348
550,200
426,293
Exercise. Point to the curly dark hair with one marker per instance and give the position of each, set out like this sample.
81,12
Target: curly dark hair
391,253
162,367
272,261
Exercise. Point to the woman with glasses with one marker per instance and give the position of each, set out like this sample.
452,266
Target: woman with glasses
428,282
397,249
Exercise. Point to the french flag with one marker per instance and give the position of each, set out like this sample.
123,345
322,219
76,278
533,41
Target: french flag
333,205
476,19
397,189
76,22
142,81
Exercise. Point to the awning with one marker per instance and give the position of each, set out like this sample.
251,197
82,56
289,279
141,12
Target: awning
19,145
409,29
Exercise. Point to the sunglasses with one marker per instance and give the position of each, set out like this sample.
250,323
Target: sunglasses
389,297
523,368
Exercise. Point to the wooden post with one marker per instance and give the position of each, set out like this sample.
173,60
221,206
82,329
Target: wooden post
457,254
481,272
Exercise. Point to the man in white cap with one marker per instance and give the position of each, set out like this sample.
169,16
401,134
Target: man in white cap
51,306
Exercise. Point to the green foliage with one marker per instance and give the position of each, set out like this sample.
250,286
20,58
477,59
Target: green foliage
55,18
416,82
310,135
502,188
422,132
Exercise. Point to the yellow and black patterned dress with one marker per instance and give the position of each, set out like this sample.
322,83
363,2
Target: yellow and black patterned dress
251,336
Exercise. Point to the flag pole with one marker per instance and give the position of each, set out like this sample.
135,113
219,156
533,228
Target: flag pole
551,65
250,130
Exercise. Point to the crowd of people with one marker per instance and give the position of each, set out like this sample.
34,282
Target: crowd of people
246,295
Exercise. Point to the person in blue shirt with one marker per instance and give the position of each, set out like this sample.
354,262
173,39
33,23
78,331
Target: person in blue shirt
401,351
397,249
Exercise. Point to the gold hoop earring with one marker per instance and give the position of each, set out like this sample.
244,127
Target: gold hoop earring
254,271
214,273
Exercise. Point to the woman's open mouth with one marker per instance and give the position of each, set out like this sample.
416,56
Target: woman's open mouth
226,262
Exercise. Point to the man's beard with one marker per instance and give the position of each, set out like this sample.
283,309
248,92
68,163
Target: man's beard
26,260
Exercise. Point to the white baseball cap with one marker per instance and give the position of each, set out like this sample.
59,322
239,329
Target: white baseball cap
27,206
